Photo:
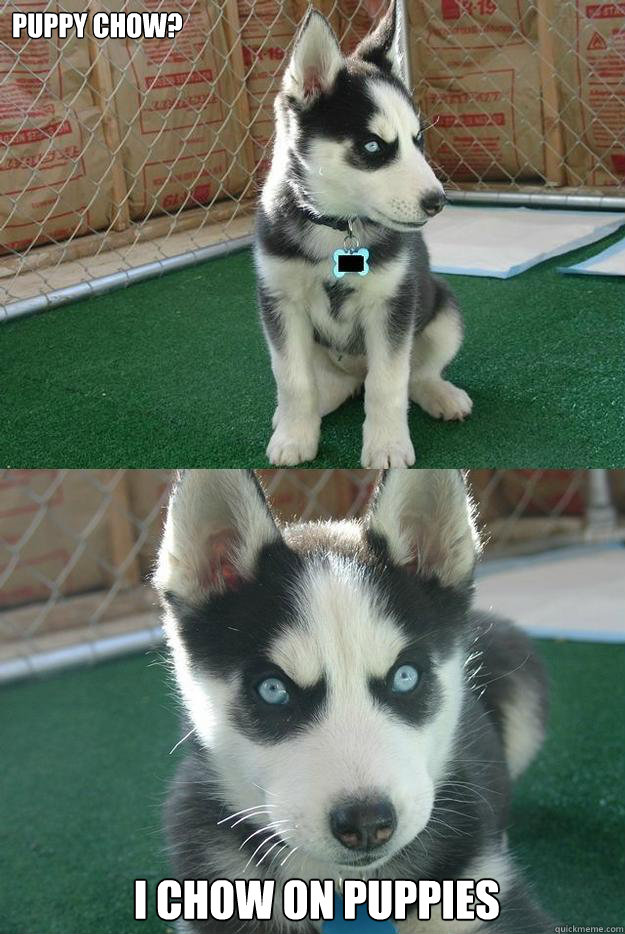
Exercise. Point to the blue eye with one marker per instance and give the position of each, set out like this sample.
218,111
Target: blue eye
405,679
418,139
273,691
372,146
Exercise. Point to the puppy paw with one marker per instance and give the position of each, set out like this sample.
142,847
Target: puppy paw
441,399
380,451
293,443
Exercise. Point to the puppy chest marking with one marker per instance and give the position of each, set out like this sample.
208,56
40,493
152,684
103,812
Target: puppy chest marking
336,315
339,310
347,304
337,293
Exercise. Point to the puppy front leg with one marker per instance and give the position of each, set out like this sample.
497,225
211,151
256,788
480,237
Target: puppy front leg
296,421
386,439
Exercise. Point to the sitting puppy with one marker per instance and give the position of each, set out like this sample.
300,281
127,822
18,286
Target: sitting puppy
349,175
350,715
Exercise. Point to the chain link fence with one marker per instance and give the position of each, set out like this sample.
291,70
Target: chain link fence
121,158
77,546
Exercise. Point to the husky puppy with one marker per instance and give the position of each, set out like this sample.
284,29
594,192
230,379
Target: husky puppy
349,149
351,716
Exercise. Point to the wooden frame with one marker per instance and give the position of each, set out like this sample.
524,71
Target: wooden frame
101,80
138,232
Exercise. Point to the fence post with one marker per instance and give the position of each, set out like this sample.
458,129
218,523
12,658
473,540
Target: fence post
102,87
404,44
600,511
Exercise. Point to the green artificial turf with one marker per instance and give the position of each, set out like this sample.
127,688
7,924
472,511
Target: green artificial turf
85,759
174,372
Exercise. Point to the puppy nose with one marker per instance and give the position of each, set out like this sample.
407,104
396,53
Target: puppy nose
363,825
433,202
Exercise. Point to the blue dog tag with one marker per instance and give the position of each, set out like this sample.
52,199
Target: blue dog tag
363,924
351,261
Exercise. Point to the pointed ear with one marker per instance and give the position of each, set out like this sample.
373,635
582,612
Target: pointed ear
217,522
315,61
427,520
381,47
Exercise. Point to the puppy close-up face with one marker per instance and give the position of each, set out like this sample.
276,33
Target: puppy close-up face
356,138
322,665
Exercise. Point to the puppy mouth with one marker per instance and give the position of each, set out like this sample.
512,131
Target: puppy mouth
398,225
367,859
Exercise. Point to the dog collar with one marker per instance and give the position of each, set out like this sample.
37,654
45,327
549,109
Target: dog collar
353,257
363,924
336,223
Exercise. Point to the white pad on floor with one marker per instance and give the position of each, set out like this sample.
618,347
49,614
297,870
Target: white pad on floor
610,262
575,593
502,242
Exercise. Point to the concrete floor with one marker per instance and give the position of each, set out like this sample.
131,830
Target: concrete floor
577,593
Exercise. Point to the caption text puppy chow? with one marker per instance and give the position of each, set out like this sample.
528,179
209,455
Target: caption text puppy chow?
103,25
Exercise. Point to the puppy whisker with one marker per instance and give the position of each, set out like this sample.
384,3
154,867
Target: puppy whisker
254,812
271,826
259,847
288,856
272,847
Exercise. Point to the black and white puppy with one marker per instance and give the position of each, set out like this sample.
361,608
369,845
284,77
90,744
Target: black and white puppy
349,145
350,716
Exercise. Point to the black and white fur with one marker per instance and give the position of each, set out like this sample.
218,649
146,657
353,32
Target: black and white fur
332,609
395,329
